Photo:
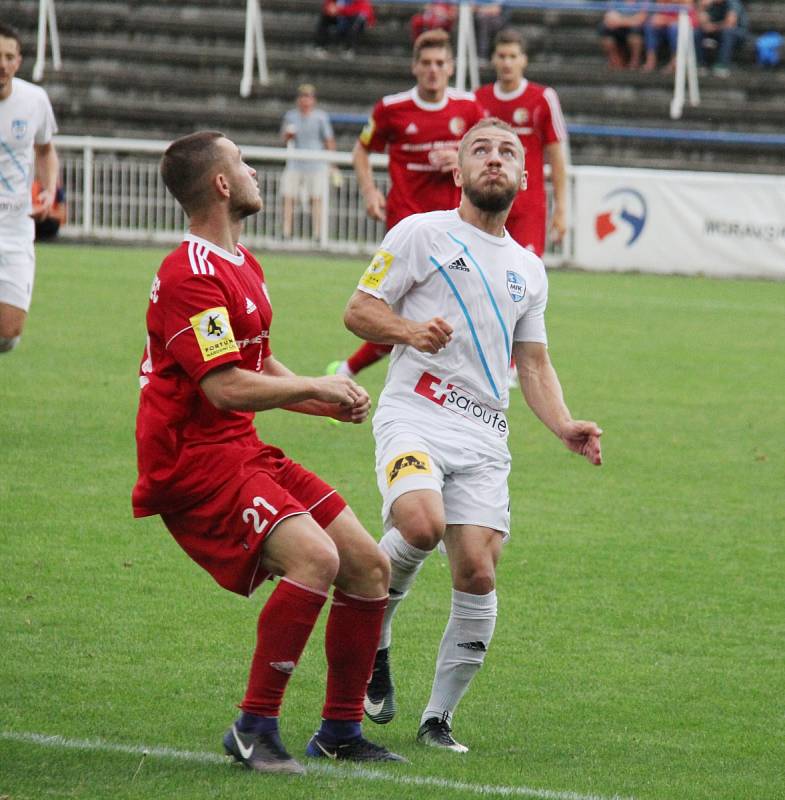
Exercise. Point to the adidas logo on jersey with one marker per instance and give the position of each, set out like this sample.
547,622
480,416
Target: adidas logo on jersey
411,129
459,264
250,306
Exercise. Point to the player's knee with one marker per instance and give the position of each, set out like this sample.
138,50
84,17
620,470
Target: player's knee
8,343
316,564
477,579
422,528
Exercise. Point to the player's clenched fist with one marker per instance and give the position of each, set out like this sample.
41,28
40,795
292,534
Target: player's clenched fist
430,336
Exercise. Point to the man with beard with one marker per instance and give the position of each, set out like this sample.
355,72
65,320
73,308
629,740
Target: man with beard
457,296
239,507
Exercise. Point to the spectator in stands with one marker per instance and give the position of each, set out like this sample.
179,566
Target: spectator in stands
621,32
722,28
27,126
433,17
305,128
662,30
344,21
489,19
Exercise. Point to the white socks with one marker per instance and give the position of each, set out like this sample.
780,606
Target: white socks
405,562
462,651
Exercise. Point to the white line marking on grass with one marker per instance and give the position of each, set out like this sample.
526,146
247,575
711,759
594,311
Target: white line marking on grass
343,771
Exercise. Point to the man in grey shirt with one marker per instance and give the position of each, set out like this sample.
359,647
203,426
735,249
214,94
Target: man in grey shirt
305,128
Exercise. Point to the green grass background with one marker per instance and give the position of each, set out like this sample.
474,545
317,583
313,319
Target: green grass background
639,647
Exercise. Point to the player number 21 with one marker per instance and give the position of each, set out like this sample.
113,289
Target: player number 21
251,514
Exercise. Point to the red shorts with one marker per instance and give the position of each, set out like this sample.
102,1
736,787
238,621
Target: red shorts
225,533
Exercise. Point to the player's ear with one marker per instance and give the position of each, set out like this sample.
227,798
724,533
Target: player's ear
221,184
457,176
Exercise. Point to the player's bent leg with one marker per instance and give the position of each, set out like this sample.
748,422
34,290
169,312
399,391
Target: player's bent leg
364,570
302,552
474,553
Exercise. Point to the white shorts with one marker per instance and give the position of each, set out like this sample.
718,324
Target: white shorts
295,181
17,272
473,485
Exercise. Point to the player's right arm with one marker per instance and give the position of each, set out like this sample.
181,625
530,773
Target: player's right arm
374,200
374,321
230,388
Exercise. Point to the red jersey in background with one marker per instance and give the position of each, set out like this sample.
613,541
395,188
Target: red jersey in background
410,129
535,114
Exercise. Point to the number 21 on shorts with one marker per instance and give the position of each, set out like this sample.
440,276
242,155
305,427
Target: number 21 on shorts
250,514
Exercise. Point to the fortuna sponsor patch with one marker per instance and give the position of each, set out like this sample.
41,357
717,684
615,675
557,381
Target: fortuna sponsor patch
377,269
414,463
367,132
214,333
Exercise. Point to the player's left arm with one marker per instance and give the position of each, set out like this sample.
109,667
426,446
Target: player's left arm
356,413
554,153
47,166
543,393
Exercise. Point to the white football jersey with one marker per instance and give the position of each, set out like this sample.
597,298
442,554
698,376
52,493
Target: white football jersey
492,291
26,119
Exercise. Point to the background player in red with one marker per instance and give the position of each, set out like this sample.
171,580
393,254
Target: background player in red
240,508
535,114
420,129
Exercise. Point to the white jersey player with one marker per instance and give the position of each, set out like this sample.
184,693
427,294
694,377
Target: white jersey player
457,296
27,125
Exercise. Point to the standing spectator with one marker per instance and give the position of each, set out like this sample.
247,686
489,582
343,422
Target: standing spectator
344,21
535,115
420,129
239,507
489,19
457,296
661,30
27,125
305,128
621,32
433,17
722,26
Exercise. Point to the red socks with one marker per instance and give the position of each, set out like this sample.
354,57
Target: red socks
353,630
285,624
366,354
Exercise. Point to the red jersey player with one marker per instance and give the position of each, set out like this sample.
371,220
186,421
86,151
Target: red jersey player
535,114
421,130
223,493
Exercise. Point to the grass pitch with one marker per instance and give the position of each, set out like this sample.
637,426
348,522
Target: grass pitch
639,646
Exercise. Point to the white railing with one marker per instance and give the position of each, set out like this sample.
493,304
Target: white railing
113,192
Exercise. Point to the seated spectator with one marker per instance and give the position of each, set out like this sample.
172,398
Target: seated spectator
662,30
343,21
621,30
46,227
434,16
489,19
722,28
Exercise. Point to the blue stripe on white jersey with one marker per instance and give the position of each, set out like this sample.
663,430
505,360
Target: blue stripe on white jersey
472,330
489,292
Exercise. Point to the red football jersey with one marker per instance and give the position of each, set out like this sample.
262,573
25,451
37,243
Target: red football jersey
410,129
208,308
535,114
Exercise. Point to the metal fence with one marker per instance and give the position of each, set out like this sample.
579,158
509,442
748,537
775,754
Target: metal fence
113,191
